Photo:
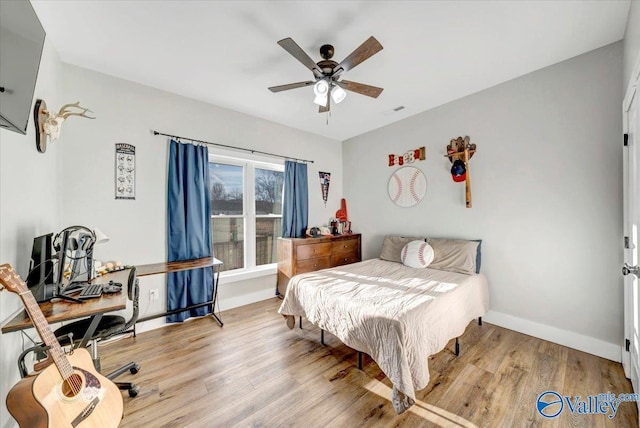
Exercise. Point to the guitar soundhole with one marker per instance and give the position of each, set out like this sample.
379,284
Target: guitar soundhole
72,386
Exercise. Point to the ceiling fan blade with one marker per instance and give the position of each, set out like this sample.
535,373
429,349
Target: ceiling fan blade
363,52
296,51
324,109
290,86
360,88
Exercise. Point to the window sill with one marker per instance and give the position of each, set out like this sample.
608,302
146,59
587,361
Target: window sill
244,274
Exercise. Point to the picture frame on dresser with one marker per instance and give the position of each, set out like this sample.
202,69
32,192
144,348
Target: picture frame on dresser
302,255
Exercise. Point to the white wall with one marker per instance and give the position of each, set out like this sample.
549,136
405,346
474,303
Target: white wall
547,195
631,42
30,205
82,163
547,186
127,112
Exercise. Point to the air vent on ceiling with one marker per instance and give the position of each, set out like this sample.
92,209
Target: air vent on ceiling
392,111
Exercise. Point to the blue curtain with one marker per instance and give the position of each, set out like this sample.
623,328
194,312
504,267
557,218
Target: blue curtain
188,229
295,208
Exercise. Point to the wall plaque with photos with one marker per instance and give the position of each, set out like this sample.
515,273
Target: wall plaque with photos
125,171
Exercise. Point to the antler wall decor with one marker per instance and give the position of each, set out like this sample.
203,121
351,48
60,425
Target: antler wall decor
49,124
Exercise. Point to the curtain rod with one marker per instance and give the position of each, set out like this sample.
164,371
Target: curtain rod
231,147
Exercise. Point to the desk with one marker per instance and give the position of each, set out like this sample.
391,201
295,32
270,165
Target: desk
62,310
177,266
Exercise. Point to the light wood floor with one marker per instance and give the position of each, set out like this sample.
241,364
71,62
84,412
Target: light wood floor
256,372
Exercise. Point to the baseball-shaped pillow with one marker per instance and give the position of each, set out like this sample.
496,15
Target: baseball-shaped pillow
417,254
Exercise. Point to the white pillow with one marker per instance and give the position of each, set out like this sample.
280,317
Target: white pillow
417,254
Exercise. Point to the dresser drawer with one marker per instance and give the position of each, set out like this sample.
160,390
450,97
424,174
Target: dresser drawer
345,246
344,259
304,255
303,266
313,250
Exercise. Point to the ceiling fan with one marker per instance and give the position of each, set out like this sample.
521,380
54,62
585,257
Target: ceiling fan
328,83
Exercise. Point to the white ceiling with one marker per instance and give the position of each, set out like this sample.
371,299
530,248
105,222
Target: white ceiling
225,52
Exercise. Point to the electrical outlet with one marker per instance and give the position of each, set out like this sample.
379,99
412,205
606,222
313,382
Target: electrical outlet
153,294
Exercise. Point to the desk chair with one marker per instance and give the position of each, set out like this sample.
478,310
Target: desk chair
108,327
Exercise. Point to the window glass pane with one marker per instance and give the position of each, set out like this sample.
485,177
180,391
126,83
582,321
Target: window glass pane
268,229
228,241
226,189
269,185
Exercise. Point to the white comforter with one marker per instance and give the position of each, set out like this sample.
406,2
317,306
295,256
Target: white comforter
396,314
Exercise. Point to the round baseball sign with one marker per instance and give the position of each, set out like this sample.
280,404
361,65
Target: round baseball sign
407,186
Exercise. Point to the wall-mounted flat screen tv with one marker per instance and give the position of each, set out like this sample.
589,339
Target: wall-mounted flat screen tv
21,43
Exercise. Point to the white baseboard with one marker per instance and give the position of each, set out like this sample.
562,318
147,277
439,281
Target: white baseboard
246,299
222,305
591,345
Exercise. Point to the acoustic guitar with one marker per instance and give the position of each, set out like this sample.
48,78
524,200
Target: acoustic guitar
68,393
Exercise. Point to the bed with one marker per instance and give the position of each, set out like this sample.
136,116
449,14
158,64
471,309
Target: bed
397,314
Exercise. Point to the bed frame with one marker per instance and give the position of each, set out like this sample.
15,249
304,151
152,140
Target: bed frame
457,345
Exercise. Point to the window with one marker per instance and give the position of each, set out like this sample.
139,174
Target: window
246,211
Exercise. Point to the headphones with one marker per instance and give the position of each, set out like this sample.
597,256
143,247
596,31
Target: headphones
83,239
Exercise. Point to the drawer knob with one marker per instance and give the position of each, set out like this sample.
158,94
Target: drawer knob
315,265
345,246
346,259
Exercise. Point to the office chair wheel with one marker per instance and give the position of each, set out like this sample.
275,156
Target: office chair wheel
134,391
135,369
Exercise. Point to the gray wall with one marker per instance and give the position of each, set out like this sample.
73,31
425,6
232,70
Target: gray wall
631,42
31,196
546,180
547,195
127,112
82,163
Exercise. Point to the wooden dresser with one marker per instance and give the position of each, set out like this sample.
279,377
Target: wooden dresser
300,255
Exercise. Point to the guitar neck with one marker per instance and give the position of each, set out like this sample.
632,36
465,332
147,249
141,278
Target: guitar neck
46,334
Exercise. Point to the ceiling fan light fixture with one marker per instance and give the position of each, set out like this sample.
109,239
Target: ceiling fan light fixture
338,94
321,100
321,90
321,87
327,72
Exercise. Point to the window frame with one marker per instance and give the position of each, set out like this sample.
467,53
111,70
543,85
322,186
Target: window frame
249,164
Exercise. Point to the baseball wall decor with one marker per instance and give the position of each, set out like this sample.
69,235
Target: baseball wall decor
459,151
325,180
407,186
125,171
408,157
